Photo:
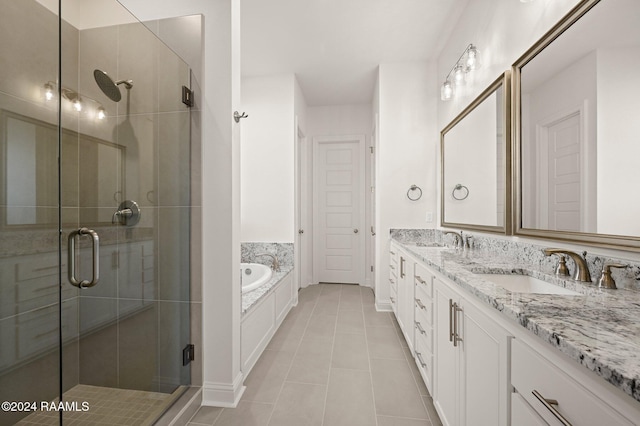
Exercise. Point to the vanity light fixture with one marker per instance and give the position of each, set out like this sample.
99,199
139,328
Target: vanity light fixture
48,91
468,61
80,103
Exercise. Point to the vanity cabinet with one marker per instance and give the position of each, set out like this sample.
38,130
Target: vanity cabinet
423,323
536,381
393,278
470,361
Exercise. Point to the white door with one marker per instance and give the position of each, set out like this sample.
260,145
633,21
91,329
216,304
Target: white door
338,209
565,176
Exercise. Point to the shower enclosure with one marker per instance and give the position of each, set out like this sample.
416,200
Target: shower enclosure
94,216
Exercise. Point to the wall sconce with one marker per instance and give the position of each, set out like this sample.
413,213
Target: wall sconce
467,62
78,101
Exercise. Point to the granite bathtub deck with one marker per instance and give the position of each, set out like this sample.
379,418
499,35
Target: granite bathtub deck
250,298
599,329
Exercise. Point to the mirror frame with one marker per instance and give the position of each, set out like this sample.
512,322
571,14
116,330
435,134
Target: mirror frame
593,239
505,81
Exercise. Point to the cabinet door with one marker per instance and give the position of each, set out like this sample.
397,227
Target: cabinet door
446,363
484,368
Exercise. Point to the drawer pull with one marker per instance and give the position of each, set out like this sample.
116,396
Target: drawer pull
419,327
422,363
392,267
391,281
392,300
419,278
392,252
549,405
419,303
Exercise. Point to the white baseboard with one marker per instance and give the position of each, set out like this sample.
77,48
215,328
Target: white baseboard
223,394
383,306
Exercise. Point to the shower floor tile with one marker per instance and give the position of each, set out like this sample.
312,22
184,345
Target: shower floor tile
107,406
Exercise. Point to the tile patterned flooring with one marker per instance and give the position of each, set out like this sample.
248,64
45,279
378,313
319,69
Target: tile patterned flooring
334,361
107,406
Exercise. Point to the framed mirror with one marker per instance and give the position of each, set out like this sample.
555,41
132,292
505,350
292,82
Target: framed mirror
576,100
475,154
28,194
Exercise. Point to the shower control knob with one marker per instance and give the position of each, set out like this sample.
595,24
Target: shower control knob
355,231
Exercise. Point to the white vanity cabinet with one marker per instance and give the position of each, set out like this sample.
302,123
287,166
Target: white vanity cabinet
393,277
423,323
543,390
470,361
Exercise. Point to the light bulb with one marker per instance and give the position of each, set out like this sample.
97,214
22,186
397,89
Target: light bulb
48,91
101,113
458,75
446,91
473,58
77,105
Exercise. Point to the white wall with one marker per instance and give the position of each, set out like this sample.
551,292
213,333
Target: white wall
618,147
267,159
406,155
220,188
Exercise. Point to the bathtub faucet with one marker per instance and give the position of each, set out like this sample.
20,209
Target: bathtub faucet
275,265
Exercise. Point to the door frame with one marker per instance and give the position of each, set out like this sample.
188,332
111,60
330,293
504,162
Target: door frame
317,140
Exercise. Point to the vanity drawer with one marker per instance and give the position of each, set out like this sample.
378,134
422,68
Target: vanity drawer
424,279
424,361
531,373
423,332
423,305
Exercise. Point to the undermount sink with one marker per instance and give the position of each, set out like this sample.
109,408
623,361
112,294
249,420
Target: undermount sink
527,284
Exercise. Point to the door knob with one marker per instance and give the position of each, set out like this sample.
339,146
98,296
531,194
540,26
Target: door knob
300,231
355,231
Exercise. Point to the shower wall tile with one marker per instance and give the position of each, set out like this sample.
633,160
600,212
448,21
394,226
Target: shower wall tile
137,334
97,50
98,344
173,253
137,133
173,73
174,336
174,154
34,55
138,61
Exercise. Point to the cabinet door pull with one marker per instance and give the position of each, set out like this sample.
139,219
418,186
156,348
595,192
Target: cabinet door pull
419,303
419,327
422,363
401,267
392,267
392,252
456,334
420,280
392,300
451,320
391,281
549,405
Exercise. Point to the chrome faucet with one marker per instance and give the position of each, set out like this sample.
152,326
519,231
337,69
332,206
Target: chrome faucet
275,265
457,237
582,269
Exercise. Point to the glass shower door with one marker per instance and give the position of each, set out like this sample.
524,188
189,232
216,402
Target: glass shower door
131,186
94,216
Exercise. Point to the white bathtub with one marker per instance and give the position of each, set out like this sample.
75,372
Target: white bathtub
254,275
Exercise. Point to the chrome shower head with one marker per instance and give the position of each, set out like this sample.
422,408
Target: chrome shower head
109,87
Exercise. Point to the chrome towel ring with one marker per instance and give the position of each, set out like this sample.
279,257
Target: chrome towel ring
414,188
460,187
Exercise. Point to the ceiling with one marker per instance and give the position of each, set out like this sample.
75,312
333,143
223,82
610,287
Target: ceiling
335,46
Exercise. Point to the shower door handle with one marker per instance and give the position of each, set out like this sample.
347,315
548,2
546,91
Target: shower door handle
95,251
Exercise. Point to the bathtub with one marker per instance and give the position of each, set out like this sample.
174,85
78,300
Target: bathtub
254,275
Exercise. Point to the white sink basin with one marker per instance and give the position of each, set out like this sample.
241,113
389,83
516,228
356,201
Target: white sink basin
527,284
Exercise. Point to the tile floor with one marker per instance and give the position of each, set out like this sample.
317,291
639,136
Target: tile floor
334,361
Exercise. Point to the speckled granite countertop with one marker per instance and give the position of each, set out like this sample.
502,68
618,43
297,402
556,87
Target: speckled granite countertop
252,297
599,329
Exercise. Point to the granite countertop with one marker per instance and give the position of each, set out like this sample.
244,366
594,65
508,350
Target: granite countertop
252,297
599,329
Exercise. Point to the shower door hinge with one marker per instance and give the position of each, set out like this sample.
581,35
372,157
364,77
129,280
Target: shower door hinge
371,268
187,96
188,354
371,149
